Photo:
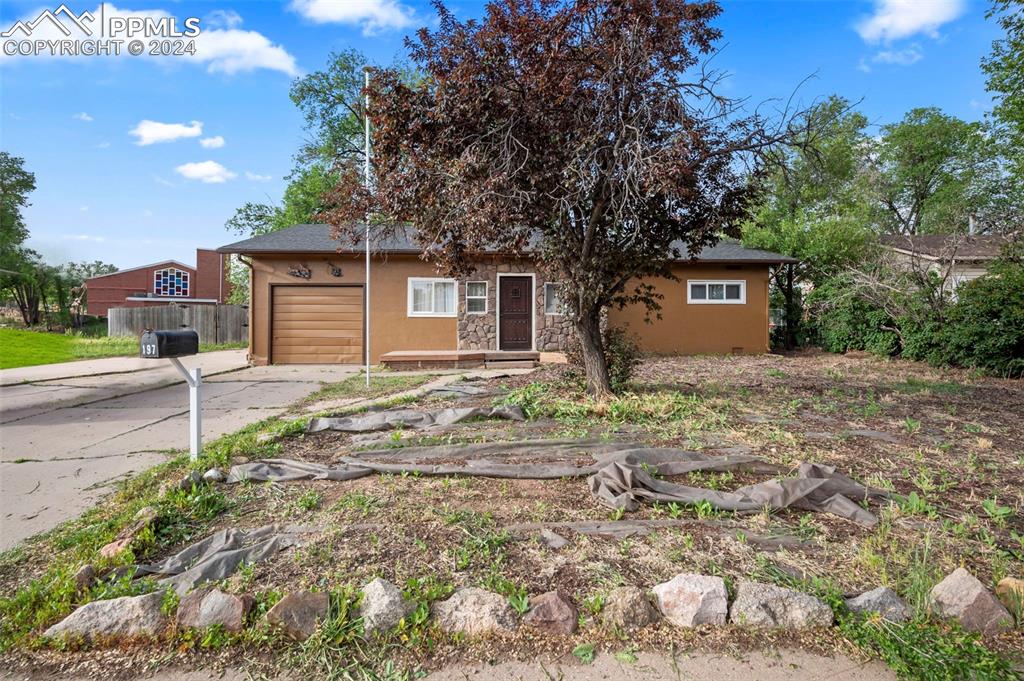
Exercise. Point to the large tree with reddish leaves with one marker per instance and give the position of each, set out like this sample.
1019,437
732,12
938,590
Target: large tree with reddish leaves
587,133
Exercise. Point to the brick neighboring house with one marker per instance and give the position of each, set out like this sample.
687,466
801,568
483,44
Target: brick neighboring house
168,281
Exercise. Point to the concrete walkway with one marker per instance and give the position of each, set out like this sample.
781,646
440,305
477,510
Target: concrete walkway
67,431
782,665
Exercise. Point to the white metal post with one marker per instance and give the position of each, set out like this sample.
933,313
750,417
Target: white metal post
366,181
194,378
195,414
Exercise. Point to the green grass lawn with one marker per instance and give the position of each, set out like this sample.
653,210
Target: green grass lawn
20,348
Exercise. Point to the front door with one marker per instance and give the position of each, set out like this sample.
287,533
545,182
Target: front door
515,317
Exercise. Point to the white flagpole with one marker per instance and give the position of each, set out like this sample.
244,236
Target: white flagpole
366,181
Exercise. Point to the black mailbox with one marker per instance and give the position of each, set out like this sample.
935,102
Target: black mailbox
163,344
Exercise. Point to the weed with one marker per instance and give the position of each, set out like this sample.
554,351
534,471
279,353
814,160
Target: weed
911,425
594,604
914,504
310,500
998,514
520,602
585,652
360,502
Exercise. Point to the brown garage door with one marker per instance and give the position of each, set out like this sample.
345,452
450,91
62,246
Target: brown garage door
317,325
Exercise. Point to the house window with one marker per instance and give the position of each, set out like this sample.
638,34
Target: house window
170,282
431,297
716,292
476,297
552,303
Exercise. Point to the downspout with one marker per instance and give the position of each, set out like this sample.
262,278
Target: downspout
248,263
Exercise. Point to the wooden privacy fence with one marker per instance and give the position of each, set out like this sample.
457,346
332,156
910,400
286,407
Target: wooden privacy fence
215,323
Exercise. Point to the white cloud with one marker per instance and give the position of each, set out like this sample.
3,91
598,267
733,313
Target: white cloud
208,172
160,180
84,117
83,237
222,18
103,145
373,15
895,19
84,209
256,177
212,142
904,57
147,213
153,132
221,46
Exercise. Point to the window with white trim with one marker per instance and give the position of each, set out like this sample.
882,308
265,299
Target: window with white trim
431,297
476,297
552,302
716,292
170,281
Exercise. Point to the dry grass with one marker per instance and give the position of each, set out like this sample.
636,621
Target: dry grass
950,446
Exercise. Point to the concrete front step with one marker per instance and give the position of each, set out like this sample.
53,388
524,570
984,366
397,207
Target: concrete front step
510,364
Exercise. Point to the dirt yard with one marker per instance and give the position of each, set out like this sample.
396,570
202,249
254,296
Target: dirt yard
946,445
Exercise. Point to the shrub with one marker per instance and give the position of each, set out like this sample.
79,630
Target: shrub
843,321
621,351
985,327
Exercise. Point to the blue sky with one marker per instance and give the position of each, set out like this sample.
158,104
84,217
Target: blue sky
126,152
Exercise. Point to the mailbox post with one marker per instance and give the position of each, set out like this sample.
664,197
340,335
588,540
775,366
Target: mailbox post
172,345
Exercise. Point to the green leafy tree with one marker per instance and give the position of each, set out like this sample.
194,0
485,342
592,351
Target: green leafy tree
935,174
812,206
16,184
21,274
331,102
1005,70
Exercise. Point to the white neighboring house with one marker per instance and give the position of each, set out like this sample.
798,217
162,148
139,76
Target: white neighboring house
956,259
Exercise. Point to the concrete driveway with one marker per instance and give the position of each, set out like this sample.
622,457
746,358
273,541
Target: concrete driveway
67,431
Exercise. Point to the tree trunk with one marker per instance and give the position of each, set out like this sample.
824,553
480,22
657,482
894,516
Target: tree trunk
588,329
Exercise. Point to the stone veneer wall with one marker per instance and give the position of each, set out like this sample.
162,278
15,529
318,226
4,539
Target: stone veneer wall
480,331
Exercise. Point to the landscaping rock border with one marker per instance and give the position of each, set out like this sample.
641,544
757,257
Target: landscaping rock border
686,600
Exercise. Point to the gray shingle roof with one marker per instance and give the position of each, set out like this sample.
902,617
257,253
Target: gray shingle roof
979,247
317,239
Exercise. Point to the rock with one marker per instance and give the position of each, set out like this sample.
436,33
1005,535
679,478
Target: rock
552,612
128,616
206,607
474,611
190,481
553,540
962,596
298,613
628,608
688,600
383,606
214,475
144,517
85,578
882,600
265,438
767,605
1010,592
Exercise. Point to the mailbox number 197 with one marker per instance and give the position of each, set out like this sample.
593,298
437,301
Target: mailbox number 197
149,349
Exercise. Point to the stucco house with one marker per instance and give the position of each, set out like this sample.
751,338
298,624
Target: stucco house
956,259
307,304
